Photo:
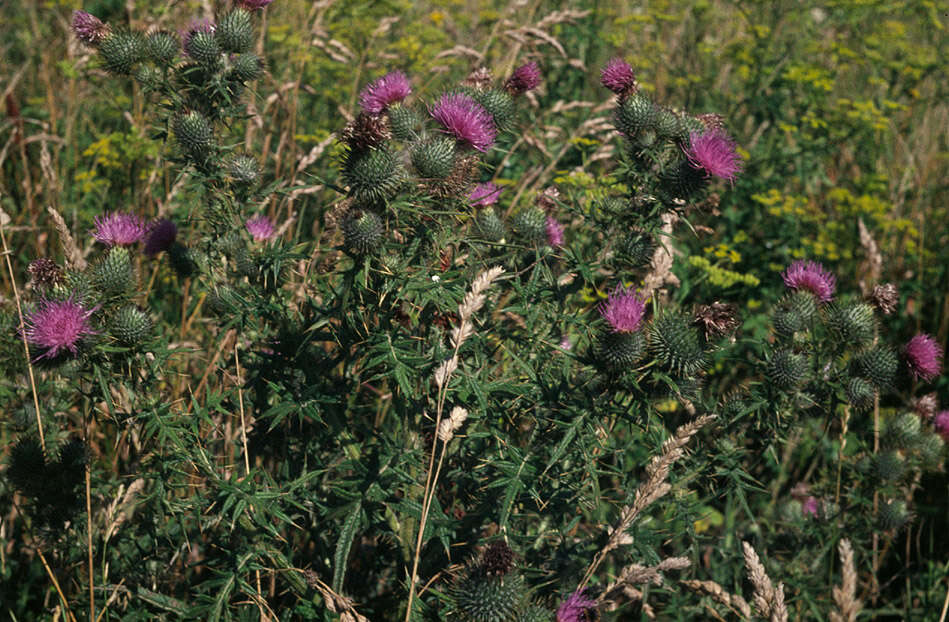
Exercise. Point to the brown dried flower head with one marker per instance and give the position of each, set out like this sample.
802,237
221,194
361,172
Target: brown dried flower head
45,272
547,200
885,297
366,131
926,405
480,79
717,319
497,559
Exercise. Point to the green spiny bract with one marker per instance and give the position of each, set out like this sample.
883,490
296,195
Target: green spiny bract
246,67
618,353
635,114
434,158
682,180
902,431
162,48
77,284
860,394
403,121
888,466
499,104
688,125
929,450
243,169
676,343
193,133
113,276
203,47
802,303
372,175
148,76
636,248
131,325
27,465
181,259
530,225
893,515
488,225
854,324
479,597
786,322
234,32
362,232
787,370
536,613
121,50
878,365
667,123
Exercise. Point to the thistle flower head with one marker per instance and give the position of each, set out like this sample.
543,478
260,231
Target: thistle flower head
576,608
253,5
387,90
484,194
624,310
260,228
885,297
465,119
88,28
57,325
811,276
161,235
924,357
525,78
810,507
714,152
119,229
554,232
618,76
45,272
941,424
926,405
197,25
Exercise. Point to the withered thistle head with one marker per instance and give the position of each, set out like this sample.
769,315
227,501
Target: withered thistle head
884,297
717,319
367,130
926,405
497,559
45,272
547,200
712,121
480,79
460,179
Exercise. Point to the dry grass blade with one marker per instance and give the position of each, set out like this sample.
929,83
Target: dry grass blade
720,595
655,487
845,594
336,603
768,600
71,250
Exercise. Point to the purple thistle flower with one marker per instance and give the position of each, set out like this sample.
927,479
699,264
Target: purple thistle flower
575,608
387,90
624,310
484,194
161,235
253,5
565,343
465,119
810,507
924,357
119,229
618,76
260,228
198,25
941,424
88,28
525,78
554,232
811,276
714,152
57,325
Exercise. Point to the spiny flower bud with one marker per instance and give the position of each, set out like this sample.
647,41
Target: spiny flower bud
497,559
803,303
27,465
121,50
162,48
675,343
635,114
930,450
878,365
888,466
181,260
246,67
530,225
636,248
243,169
362,232
667,123
131,326
488,225
787,370
149,77
372,175
193,132
114,275
893,515
787,322
499,104
479,597
860,394
536,613
200,43
45,273
884,297
854,324
234,32
434,158
403,121
902,431
366,131
618,353
682,179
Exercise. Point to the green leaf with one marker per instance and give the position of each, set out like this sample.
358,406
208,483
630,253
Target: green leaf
345,543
